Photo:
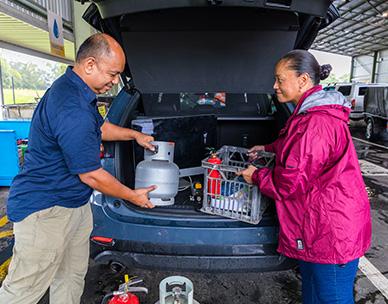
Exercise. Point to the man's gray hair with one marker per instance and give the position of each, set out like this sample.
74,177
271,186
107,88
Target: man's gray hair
95,46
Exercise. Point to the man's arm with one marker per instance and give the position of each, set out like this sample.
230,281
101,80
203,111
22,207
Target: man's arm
104,182
111,132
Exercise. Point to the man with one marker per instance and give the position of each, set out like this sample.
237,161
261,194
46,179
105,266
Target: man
48,200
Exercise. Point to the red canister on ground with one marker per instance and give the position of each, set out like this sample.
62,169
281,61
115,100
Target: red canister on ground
214,181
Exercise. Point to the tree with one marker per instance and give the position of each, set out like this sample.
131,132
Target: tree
8,72
334,79
31,76
53,71
344,78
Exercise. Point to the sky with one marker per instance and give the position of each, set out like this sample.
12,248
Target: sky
24,58
341,64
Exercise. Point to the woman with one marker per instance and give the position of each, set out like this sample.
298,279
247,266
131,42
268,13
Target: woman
320,196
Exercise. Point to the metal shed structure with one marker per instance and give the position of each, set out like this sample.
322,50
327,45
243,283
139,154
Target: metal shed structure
23,27
362,33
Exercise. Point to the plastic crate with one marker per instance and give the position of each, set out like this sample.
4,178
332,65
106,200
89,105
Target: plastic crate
229,195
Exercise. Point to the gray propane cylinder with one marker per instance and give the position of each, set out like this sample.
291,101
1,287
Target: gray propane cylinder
176,290
158,169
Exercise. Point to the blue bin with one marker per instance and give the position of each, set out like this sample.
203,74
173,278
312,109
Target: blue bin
10,132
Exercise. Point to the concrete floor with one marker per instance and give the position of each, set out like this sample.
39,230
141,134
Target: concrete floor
248,288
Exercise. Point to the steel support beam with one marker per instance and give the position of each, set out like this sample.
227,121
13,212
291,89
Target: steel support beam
352,69
1,91
375,56
31,52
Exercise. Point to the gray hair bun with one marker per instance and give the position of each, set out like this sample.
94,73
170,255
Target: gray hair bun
325,71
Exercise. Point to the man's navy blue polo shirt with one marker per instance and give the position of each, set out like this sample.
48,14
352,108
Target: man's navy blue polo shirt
64,141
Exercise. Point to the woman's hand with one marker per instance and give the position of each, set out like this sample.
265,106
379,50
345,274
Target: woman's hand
252,152
247,173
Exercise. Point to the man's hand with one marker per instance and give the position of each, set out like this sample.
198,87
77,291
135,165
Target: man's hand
104,182
247,173
144,141
140,197
252,152
111,132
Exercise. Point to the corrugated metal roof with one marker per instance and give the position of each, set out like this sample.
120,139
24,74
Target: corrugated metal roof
20,33
361,29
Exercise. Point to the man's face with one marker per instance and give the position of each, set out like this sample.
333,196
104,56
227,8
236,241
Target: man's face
105,73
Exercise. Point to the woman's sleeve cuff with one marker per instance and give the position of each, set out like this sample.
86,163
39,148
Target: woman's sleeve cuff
269,148
256,177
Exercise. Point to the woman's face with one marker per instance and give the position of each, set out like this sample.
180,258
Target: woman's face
288,85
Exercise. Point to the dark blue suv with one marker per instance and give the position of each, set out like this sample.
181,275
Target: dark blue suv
179,55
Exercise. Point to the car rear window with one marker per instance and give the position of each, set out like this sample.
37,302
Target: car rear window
219,103
345,90
362,91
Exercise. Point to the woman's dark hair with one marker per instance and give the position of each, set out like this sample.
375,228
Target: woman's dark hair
302,61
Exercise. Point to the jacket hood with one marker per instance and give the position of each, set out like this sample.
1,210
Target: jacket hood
330,102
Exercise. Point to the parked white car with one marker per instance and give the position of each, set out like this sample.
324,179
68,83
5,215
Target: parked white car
355,93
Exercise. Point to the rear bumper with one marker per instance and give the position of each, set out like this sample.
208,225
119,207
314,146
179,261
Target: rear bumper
356,115
196,263
186,244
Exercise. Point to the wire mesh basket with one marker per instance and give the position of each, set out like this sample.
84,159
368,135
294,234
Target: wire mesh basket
228,195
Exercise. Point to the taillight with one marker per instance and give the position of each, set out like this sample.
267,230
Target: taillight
102,151
353,103
103,240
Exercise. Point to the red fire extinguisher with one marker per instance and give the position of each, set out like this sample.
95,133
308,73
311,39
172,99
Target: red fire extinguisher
125,293
214,176
126,298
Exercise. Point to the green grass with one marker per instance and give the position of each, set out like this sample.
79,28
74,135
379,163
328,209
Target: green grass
22,96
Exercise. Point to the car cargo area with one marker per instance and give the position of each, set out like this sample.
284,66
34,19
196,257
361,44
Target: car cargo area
213,64
196,123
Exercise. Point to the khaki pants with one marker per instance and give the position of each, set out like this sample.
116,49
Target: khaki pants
51,250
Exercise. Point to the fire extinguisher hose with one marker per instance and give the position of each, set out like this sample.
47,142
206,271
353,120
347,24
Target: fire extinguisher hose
106,298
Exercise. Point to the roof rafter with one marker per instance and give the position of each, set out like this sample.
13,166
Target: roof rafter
361,29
